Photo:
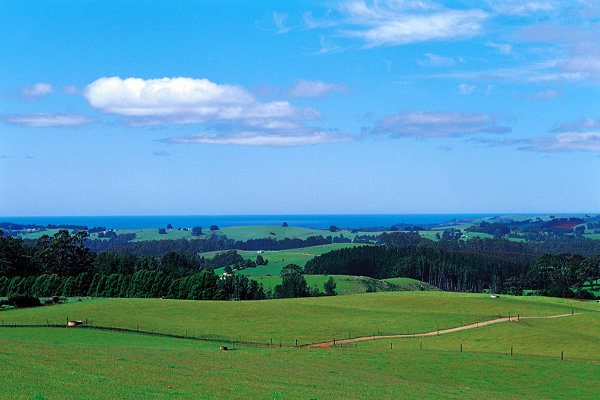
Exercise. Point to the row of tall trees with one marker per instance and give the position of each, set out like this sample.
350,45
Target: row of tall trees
205,285
561,275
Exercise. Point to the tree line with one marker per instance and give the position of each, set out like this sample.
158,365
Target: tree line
562,275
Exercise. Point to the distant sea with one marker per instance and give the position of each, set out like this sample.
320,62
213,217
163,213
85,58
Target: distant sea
322,221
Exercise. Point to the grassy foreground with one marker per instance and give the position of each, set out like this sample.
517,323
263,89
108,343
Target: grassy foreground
307,320
46,363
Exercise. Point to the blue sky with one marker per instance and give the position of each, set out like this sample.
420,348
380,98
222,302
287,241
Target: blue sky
166,107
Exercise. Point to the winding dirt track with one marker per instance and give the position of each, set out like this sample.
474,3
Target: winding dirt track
432,333
313,346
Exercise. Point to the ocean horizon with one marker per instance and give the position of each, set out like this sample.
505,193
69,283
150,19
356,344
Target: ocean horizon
318,221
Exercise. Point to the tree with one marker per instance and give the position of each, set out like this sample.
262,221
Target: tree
214,228
162,231
169,226
293,283
284,225
260,260
197,231
329,287
333,228
64,255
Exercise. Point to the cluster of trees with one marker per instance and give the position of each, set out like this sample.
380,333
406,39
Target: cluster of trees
462,270
293,285
498,229
205,285
123,245
63,266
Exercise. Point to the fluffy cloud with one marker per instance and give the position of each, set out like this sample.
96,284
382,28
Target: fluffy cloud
262,139
38,90
437,124
187,100
47,119
313,89
402,22
571,141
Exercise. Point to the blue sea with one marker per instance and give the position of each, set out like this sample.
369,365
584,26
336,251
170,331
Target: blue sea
322,221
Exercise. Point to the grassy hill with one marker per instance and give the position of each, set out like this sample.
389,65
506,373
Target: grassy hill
279,259
308,320
45,363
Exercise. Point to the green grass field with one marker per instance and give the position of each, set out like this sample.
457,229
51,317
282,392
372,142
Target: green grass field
279,259
46,363
308,320
345,284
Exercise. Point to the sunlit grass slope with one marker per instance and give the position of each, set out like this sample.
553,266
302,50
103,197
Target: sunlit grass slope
307,320
72,363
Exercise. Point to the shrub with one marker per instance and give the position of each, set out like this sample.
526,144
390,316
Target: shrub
23,300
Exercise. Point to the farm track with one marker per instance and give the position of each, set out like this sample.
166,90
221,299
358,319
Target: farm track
432,333
320,345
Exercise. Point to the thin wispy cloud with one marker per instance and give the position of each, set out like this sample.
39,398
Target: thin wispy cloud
70,89
566,142
503,48
434,60
313,89
47,119
262,139
423,124
279,19
161,153
38,90
403,22
544,95
465,89
583,125
524,7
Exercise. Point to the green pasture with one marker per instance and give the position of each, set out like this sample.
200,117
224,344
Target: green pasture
47,363
240,233
307,320
345,284
279,259
578,337
38,234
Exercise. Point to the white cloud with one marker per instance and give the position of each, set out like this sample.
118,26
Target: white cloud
188,100
435,60
544,95
279,20
585,124
70,89
523,7
398,23
503,48
401,22
261,139
437,124
40,89
313,89
161,153
466,89
564,142
47,119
